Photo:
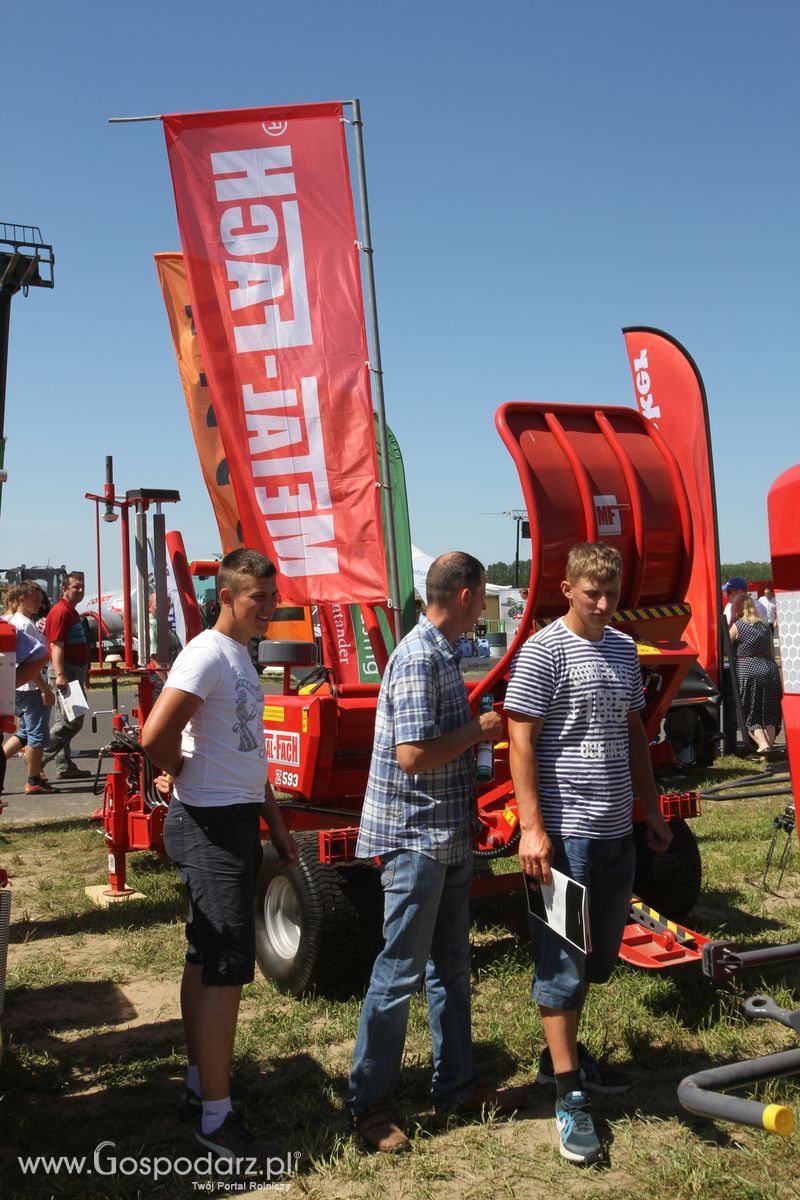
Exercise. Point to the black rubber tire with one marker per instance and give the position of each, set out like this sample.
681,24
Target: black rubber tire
683,729
337,911
361,885
693,734
669,882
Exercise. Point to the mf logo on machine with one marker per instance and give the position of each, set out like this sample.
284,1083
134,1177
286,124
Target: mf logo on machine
275,128
607,511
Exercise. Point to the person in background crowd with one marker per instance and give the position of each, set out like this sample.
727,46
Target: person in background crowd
31,656
737,586
757,672
210,610
41,620
34,699
173,643
767,602
69,654
10,600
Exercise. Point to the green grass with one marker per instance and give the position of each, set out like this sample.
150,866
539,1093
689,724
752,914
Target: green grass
94,1052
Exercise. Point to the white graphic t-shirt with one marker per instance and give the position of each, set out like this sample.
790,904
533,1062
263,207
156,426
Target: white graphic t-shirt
224,758
584,690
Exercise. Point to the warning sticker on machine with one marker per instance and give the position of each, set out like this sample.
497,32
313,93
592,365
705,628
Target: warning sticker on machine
510,816
645,647
274,712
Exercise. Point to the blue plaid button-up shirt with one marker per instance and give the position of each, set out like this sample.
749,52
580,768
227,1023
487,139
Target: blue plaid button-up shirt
422,696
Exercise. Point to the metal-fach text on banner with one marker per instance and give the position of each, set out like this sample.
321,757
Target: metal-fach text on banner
266,219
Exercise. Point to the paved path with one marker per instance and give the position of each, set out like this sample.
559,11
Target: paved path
74,798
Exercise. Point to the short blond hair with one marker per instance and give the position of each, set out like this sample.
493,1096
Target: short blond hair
595,561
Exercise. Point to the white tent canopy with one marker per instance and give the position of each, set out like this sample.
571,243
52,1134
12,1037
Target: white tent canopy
421,563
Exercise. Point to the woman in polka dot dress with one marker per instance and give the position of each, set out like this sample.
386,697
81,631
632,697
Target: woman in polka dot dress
759,677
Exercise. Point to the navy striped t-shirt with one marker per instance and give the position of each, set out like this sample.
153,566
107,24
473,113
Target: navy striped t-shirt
584,690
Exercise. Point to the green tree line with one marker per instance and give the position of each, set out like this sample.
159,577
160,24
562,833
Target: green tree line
747,570
502,573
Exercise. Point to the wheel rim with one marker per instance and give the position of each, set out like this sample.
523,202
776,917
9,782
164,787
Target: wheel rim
282,917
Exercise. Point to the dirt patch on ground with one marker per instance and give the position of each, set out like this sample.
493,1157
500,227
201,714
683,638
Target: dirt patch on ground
68,1011
514,1158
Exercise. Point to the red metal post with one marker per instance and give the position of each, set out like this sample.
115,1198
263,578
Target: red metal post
115,821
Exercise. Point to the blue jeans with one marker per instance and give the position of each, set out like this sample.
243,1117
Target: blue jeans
34,718
606,867
426,927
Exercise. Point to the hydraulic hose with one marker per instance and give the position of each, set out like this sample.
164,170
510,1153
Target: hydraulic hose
703,1092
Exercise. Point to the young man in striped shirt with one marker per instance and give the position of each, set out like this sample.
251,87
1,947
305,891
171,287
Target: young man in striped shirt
578,749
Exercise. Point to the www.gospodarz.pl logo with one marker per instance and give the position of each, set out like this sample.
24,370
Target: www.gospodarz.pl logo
237,1174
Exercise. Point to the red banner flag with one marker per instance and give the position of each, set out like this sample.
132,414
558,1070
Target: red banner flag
670,393
268,232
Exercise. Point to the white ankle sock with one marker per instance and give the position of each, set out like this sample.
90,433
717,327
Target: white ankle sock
214,1113
193,1080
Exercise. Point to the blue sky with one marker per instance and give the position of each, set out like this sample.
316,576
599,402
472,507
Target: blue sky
540,175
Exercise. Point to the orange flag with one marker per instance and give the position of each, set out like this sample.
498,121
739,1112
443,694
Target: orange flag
172,278
288,624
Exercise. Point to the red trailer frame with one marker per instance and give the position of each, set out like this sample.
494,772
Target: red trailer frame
587,473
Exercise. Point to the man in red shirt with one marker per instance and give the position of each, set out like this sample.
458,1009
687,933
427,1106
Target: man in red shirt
69,655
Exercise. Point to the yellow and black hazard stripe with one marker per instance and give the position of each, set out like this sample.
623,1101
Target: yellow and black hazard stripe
653,614
635,614
643,914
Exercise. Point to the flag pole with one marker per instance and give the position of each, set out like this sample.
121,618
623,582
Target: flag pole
376,368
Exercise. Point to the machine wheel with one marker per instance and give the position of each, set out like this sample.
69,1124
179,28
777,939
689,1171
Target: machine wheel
692,733
315,923
683,729
669,882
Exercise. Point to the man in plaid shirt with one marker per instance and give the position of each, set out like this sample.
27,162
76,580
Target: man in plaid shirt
416,820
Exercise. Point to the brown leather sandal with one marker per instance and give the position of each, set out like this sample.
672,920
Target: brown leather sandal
379,1131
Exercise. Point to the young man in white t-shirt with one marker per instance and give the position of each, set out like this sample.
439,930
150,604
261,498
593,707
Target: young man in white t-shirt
206,732
577,744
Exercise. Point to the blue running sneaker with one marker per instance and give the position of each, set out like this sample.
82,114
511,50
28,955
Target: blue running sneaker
594,1076
578,1141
